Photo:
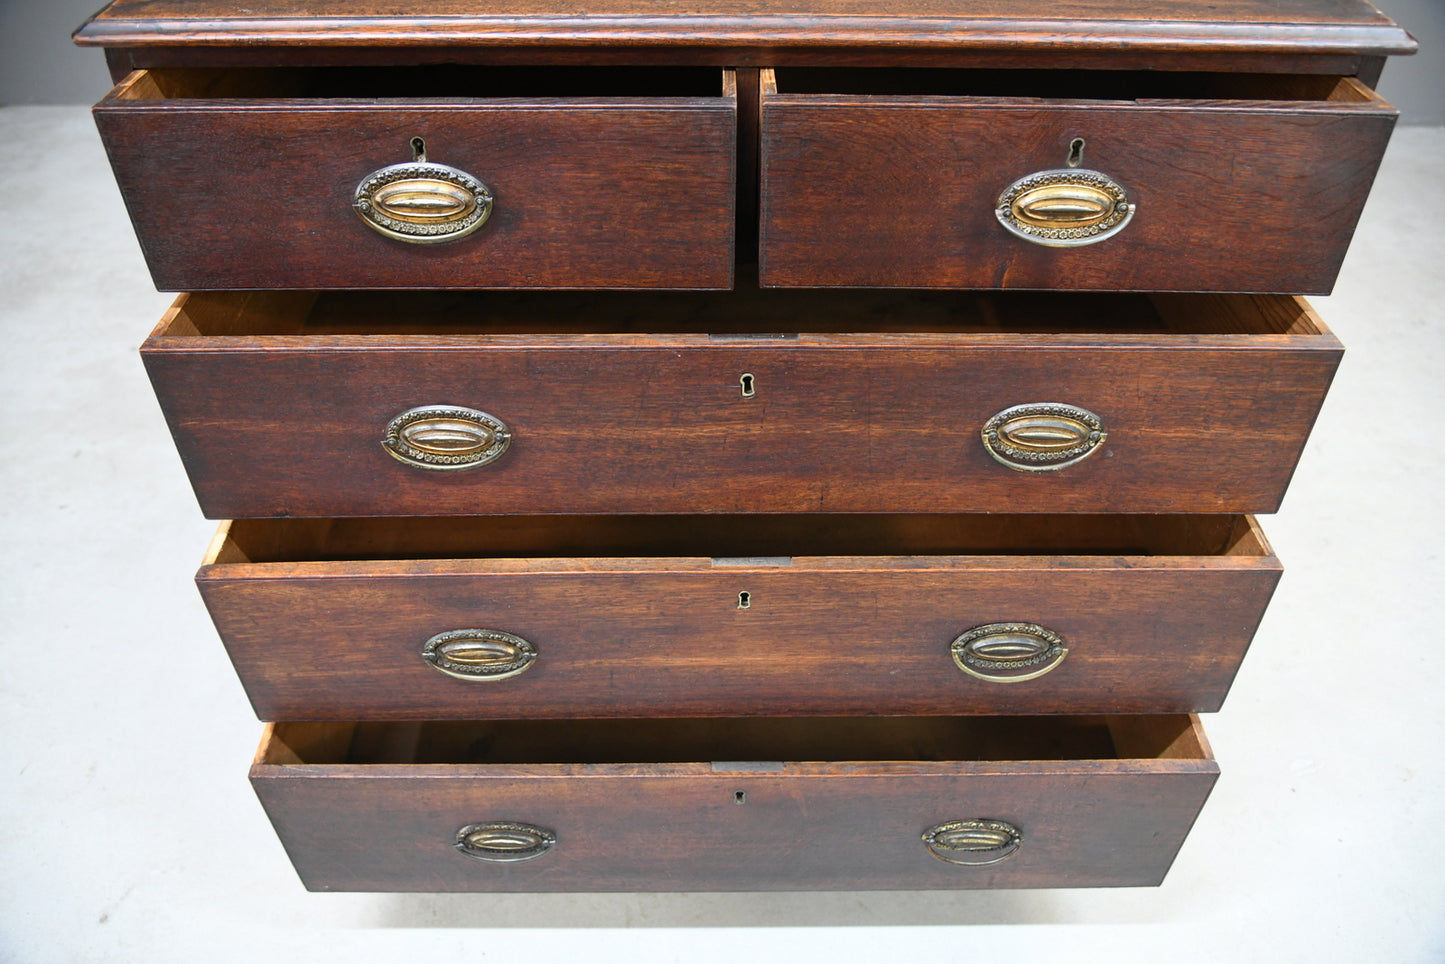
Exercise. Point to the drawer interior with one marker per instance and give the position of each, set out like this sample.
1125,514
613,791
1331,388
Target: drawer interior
723,743
1072,85
426,82
748,310
729,539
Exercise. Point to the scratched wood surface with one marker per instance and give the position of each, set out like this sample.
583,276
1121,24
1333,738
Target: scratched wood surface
900,188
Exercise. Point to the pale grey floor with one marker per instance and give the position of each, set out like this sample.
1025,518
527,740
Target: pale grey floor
128,831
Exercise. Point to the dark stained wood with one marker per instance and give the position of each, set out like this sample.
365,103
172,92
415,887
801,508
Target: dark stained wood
1370,70
1249,25
608,418
321,624
1093,821
863,189
228,190
724,740
601,537
123,60
673,740
749,98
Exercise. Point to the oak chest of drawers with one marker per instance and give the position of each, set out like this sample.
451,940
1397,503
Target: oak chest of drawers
740,446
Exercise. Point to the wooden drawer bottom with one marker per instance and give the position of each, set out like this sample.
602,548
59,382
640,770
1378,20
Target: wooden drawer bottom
721,805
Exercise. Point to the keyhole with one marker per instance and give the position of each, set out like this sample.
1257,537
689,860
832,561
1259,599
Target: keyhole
740,797
745,600
746,381
1076,152
418,150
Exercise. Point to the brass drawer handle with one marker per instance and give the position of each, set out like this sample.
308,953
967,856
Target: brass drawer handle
1065,207
1008,652
479,654
504,842
973,843
422,202
1043,436
446,437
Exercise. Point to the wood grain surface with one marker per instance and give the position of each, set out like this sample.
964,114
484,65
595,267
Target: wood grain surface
885,419
673,738
337,637
122,60
1110,821
245,192
899,189
1052,25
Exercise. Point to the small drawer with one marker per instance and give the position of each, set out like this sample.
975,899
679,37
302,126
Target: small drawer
747,401
721,805
1064,180
533,177
616,616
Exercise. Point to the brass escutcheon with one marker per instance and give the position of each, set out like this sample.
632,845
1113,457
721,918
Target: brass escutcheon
446,437
1008,652
1042,436
504,842
1064,208
421,202
973,843
479,654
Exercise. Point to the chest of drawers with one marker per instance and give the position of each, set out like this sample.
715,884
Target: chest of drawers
740,446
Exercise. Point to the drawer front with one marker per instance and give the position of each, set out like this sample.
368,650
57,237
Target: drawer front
734,826
250,192
1258,195
685,423
620,636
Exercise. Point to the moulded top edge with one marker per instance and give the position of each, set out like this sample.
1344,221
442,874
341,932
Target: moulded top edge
1222,26
792,770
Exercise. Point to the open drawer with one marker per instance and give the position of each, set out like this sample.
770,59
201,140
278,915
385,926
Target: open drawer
716,805
755,400
616,616
1074,180
447,177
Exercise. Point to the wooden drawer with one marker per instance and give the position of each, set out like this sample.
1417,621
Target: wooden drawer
598,178
894,178
612,616
746,401
717,805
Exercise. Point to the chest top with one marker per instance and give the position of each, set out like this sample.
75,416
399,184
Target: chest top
767,31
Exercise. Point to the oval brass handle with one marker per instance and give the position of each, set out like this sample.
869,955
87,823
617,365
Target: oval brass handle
422,202
478,654
446,437
1043,436
1064,208
504,842
973,843
1008,652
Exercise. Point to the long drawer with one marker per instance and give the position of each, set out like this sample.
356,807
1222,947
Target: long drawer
428,177
717,805
1110,180
557,616
748,401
